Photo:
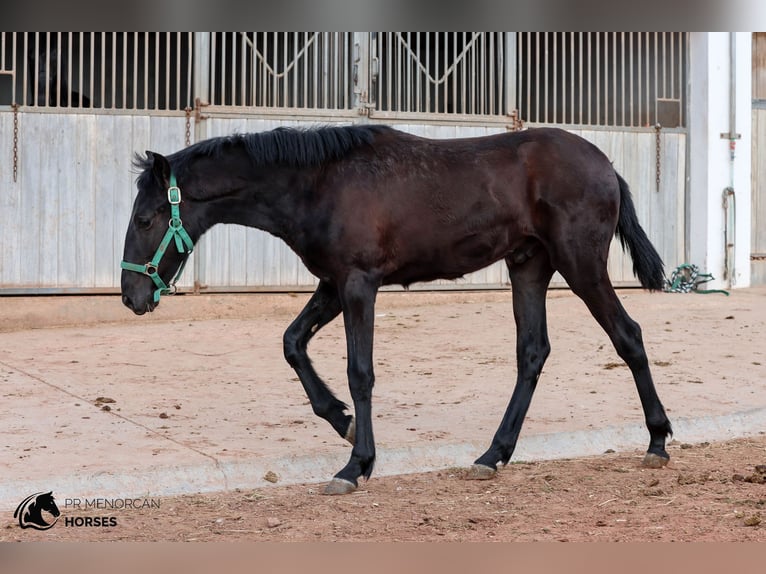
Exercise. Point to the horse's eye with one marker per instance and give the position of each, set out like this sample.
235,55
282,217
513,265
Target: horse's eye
143,222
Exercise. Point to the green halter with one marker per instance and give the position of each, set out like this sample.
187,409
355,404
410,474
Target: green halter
176,232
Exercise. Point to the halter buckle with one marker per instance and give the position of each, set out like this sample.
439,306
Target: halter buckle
174,195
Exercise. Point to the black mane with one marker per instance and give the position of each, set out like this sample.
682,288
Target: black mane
297,147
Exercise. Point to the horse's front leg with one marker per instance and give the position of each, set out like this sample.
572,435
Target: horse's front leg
358,302
322,308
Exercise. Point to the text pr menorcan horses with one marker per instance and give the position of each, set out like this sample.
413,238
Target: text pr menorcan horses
366,206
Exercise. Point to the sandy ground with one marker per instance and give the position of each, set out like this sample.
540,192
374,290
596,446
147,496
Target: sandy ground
204,377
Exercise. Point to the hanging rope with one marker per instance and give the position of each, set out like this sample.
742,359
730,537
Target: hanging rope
686,278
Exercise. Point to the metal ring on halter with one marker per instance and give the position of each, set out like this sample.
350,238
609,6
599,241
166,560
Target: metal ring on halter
150,269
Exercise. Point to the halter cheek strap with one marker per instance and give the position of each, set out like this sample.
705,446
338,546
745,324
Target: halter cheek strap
175,233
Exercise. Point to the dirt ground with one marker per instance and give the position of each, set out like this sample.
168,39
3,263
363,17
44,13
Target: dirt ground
709,492
706,352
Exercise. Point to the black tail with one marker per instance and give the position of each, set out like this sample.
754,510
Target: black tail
647,263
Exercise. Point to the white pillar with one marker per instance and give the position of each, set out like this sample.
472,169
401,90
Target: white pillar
711,169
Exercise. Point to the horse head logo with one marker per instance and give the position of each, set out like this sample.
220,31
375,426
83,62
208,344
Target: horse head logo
29,512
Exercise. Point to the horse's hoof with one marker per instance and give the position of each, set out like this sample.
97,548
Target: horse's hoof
351,431
652,460
339,486
480,472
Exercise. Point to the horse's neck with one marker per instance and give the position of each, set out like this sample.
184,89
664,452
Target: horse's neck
274,208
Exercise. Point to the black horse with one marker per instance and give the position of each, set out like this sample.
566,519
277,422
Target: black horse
52,79
367,206
29,512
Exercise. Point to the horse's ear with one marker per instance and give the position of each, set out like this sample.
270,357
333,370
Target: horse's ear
160,168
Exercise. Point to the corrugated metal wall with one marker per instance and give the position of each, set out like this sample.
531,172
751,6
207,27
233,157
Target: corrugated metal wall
63,221
62,224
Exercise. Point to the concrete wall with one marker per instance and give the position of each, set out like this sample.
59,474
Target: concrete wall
712,168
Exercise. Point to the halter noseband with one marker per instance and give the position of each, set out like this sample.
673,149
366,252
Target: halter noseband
183,242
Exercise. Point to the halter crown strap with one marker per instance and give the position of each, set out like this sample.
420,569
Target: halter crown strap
176,233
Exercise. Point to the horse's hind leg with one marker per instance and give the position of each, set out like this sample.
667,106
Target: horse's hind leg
529,282
322,308
595,289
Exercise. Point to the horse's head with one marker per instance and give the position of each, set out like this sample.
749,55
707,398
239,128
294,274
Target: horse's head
47,503
156,244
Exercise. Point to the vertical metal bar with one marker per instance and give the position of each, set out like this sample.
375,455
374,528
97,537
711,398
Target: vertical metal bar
234,69
408,97
315,75
59,85
682,51
294,64
135,69
572,70
25,66
157,70
385,103
429,72
631,74
614,79
530,35
399,72
546,82
656,77
455,72
113,71
243,83
146,70
622,66
190,50
528,81
124,85
664,65
292,100
265,79
275,88
640,75
482,75
581,74
554,101
445,80
539,73
598,79
307,52
327,46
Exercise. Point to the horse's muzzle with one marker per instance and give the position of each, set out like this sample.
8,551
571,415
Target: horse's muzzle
138,308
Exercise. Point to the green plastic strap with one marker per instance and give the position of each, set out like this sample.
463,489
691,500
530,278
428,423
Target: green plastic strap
176,233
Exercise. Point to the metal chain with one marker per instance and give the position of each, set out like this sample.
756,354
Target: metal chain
658,129
188,111
15,108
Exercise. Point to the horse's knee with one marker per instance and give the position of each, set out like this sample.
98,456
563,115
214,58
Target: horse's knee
629,345
291,346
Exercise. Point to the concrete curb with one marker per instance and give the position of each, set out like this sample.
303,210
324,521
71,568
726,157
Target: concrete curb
212,477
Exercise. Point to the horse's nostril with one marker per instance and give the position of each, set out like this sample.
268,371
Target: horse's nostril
127,302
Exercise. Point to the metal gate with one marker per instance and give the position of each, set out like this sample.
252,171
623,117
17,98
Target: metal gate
87,101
